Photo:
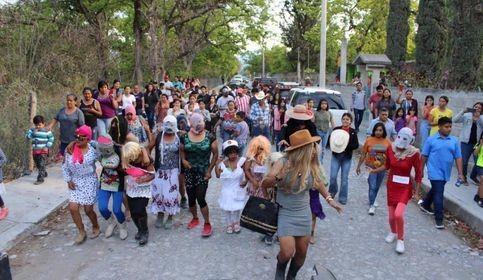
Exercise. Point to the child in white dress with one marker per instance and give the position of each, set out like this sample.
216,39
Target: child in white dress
233,195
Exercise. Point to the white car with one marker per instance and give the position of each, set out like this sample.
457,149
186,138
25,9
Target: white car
300,95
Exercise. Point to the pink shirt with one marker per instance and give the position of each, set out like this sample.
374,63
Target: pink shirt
243,104
411,122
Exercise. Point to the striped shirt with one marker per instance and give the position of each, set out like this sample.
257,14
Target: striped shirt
41,139
243,103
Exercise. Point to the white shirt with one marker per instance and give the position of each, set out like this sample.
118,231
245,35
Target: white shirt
128,100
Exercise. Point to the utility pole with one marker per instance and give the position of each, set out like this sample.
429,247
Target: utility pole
263,59
323,44
343,60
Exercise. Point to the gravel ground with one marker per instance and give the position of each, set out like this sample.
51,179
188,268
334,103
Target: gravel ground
351,245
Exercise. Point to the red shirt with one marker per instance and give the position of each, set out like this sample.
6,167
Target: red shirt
375,98
400,192
243,104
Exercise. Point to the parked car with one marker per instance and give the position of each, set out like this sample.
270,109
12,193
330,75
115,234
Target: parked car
285,88
300,95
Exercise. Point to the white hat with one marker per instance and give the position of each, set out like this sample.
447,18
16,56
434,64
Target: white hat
229,143
404,138
339,139
260,95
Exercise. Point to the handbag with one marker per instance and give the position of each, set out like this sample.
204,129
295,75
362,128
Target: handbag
260,215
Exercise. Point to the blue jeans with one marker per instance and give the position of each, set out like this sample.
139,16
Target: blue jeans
277,135
358,116
374,181
103,126
150,117
103,204
424,129
435,196
344,164
257,130
467,152
324,135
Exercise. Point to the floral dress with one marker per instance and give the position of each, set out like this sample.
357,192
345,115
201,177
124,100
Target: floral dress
84,177
165,187
138,130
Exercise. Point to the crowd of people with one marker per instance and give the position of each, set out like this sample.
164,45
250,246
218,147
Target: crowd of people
162,145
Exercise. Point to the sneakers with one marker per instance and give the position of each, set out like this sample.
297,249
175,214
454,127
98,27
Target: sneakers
3,213
390,237
268,240
122,230
111,227
39,181
400,246
372,209
478,200
439,225
207,230
425,210
193,223
376,204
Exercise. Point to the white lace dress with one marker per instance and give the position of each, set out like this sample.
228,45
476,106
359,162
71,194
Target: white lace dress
232,196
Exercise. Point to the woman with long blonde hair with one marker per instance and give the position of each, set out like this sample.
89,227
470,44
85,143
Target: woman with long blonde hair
294,175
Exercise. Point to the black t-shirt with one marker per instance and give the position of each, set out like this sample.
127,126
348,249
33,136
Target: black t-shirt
473,140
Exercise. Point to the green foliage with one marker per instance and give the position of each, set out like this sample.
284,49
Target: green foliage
431,40
397,31
467,51
276,61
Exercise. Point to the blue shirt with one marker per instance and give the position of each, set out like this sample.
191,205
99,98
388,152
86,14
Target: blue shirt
389,125
441,152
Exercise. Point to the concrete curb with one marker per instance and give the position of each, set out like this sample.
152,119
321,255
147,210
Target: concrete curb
22,231
459,208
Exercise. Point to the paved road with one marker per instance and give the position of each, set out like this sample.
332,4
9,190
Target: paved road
351,245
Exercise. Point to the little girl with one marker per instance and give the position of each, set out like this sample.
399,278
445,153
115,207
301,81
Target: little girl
233,196
399,120
412,120
110,185
258,151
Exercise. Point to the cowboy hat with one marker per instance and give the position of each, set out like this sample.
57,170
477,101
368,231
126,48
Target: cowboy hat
300,112
339,139
260,95
301,138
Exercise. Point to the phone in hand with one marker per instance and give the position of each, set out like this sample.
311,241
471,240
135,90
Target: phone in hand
470,110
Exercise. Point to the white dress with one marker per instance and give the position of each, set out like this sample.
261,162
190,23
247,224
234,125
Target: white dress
84,177
232,196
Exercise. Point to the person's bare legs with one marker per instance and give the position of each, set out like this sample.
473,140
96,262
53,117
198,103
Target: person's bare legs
89,209
312,233
76,217
301,247
206,214
127,212
182,185
480,188
287,251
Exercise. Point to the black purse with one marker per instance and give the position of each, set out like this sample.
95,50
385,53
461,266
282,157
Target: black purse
260,215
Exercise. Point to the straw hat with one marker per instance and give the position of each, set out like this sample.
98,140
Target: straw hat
260,95
339,139
301,138
300,112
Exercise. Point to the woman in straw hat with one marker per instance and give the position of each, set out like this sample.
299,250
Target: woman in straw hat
343,141
299,118
294,174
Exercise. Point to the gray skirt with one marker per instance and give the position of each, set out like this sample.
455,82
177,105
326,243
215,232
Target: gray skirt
294,223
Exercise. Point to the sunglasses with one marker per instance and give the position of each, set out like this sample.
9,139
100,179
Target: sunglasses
81,137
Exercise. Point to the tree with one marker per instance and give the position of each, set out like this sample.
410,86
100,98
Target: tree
431,40
397,31
276,60
138,35
466,56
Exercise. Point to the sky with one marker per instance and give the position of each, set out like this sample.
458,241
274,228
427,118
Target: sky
273,26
